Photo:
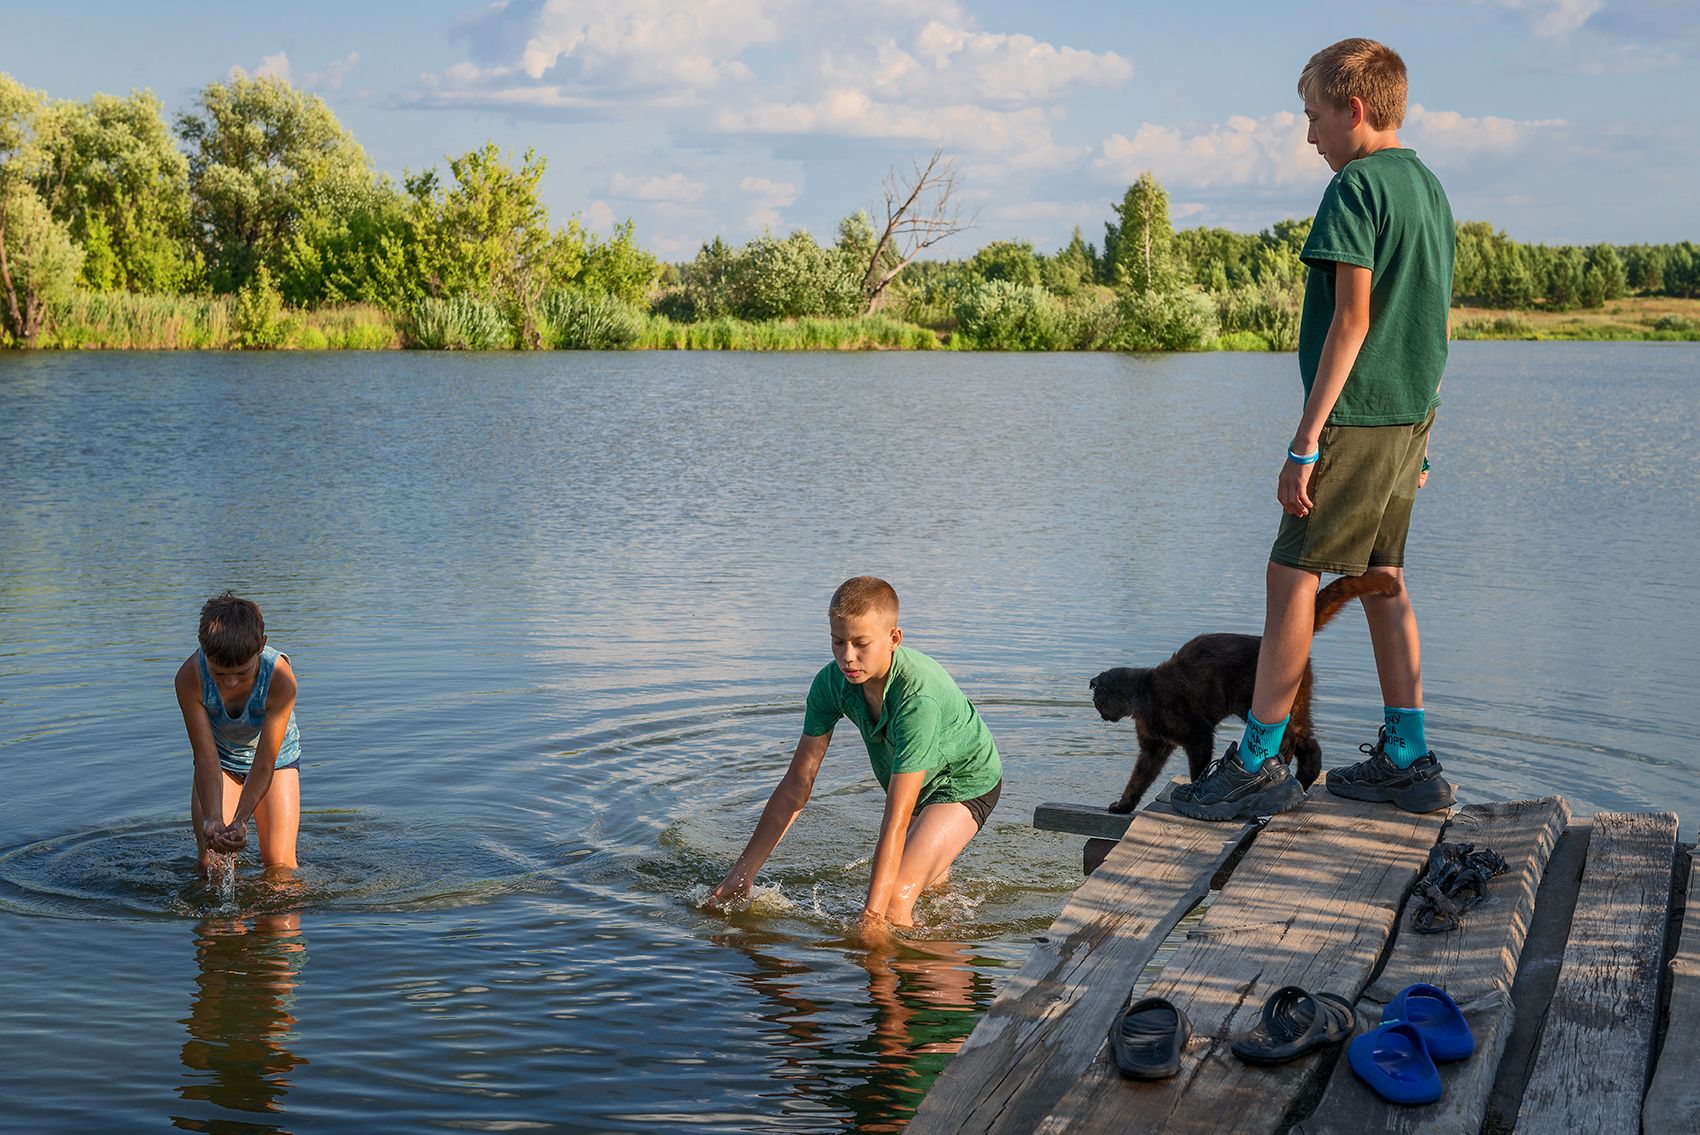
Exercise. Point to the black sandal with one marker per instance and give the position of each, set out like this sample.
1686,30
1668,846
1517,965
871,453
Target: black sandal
1456,881
1147,1040
1295,1022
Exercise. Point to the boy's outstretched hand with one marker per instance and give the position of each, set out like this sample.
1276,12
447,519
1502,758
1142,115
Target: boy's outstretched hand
225,837
728,890
872,929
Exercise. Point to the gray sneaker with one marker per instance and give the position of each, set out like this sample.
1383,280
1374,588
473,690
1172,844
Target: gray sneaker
1420,788
1227,791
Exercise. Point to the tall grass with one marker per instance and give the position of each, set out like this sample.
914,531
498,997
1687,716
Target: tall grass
347,327
861,333
578,321
459,324
127,321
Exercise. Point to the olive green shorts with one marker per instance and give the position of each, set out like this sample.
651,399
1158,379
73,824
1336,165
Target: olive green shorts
1361,492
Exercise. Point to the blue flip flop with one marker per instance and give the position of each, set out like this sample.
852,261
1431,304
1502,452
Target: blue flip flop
1394,1061
1437,1017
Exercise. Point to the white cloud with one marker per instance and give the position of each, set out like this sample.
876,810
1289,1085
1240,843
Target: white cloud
767,198
271,67
1270,151
331,76
1445,136
673,187
1551,18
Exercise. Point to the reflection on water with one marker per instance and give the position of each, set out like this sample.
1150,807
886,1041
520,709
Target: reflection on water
240,1053
918,1003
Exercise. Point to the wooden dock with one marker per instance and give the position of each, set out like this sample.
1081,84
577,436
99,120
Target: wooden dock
1580,975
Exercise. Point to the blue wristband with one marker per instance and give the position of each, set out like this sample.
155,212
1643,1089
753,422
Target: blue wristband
1306,460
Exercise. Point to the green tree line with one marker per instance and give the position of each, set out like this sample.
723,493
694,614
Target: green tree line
256,205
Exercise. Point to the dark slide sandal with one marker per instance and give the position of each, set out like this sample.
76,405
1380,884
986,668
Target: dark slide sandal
1393,1060
1294,1023
1148,1039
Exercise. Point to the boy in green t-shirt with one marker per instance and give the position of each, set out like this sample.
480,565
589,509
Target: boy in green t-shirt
1372,346
932,753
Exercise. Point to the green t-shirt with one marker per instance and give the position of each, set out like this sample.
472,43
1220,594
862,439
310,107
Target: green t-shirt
1385,212
926,724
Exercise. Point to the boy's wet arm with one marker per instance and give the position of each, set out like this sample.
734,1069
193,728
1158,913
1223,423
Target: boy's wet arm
901,797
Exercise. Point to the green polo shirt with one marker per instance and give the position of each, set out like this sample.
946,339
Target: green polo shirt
1388,213
926,724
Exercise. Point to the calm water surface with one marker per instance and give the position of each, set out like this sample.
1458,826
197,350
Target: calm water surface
553,618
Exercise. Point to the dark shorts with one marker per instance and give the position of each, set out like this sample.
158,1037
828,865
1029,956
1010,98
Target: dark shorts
242,777
1361,492
981,806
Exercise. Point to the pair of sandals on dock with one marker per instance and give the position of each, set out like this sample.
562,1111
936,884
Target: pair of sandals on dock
1421,1026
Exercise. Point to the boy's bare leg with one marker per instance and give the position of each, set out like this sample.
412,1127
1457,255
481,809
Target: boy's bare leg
1289,623
279,818
936,837
1398,651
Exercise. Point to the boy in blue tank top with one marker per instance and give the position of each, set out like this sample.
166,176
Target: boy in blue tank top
929,748
1372,346
238,700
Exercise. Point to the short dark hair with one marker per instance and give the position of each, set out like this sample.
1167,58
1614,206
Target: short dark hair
232,629
862,595
1363,69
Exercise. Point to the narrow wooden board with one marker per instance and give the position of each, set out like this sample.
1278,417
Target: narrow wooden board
1537,974
1311,904
1081,819
1595,1047
1475,963
1673,1102
1046,1026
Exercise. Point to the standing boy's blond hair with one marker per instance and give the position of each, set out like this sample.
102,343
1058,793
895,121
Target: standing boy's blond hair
1361,69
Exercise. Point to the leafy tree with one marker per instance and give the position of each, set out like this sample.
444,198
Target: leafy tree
1139,248
1072,269
1006,315
122,189
262,157
487,233
1564,286
39,259
1603,276
614,267
1011,260
368,252
779,279
709,282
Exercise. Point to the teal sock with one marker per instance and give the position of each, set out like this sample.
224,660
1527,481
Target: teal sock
1406,742
1261,741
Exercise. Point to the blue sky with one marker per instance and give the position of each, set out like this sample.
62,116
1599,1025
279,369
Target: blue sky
1557,120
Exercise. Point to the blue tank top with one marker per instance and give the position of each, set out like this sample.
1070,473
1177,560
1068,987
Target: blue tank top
238,738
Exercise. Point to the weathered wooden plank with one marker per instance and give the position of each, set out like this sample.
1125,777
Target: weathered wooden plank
1673,1101
1591,1068
1049,1022
1081,819
1537,974
1475,964
1312,905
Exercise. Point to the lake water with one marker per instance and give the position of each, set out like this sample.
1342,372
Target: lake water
553,617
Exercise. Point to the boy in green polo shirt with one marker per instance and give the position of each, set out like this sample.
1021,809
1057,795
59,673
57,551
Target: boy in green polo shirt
1372,346
930,750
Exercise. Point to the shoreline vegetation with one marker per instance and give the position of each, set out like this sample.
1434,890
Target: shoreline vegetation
255,221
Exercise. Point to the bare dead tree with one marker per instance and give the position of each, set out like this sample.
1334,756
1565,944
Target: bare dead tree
921,209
